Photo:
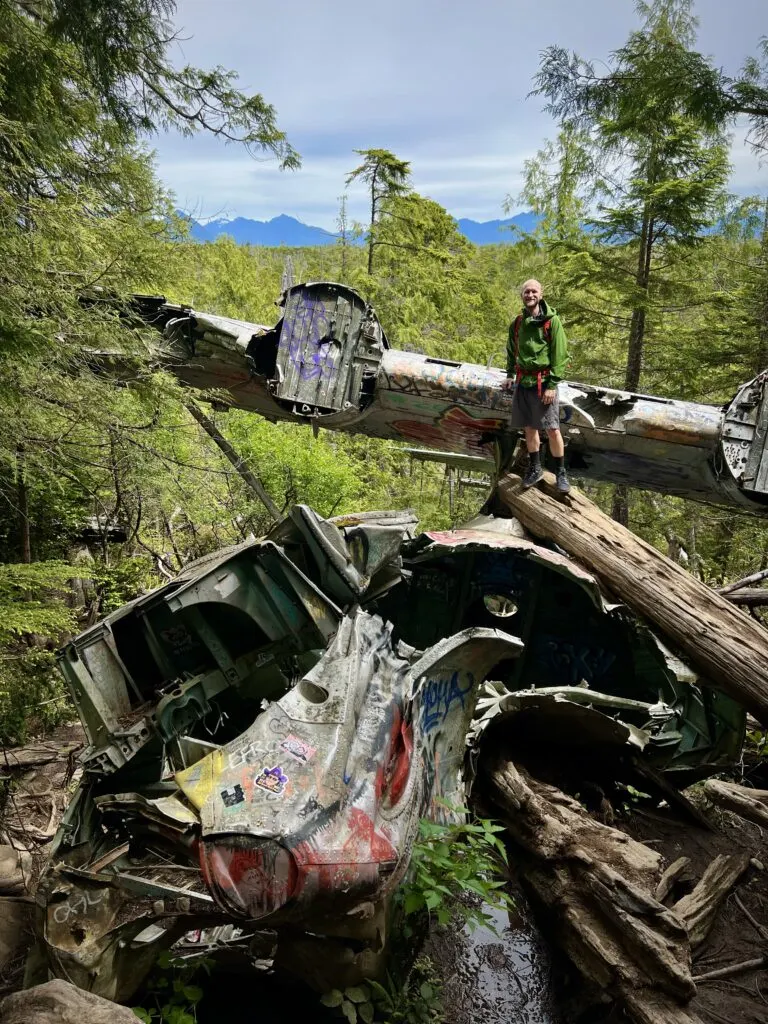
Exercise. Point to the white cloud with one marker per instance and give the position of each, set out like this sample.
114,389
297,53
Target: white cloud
440,82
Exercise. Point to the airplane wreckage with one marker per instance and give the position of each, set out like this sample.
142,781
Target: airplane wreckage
266,730
327,363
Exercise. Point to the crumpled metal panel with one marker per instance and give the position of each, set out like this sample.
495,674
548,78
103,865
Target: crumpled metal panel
323,793
350,551
330,346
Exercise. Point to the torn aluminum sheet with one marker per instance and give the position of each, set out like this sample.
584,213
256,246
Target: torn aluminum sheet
574,637
266,730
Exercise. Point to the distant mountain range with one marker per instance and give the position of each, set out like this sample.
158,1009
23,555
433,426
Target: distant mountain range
288,231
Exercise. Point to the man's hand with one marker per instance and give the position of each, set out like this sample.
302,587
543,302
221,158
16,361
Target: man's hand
549,396
508,384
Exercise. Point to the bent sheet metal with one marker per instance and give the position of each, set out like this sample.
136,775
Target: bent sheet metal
266,731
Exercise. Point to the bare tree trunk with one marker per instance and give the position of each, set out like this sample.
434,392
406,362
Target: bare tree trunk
761,361
620,509
721,641
637,325
373,219
250,479
620,505
23,504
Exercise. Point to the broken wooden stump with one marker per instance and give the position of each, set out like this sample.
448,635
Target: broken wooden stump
599,885
670,876
727,646
699,908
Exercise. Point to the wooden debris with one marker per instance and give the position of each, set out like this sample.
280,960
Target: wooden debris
697,910
761,931
755,577
670,876
725,972
752,597
599,883
36,754
722,642
751,804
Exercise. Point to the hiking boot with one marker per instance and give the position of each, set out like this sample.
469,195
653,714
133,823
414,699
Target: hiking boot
534,474
563,487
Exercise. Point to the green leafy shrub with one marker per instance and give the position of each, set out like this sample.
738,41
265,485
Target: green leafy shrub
416,999
172,991
455,871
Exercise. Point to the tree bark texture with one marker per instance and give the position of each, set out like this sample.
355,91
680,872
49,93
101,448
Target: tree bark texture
721,641
250,479
751,804
598,883
25,542
699,908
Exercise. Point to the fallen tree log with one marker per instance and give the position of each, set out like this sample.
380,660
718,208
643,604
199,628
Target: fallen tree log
751,804
599,885
750,597
727,646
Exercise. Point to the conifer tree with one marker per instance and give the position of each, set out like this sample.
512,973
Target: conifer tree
386,176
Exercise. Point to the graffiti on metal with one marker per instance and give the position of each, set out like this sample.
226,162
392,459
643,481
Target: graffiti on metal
439,696
307,325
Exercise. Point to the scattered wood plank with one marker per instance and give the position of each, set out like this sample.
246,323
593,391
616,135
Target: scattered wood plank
698,909
724,644
670,876
751,804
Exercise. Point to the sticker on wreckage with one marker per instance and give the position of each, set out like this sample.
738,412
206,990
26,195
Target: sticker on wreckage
272,779
297,748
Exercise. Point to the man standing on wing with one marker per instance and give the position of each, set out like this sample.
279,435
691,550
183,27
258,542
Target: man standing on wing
537,354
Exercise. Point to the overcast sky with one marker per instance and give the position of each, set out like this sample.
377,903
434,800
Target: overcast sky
441,83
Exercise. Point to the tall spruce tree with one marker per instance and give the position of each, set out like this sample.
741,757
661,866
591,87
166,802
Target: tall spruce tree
659,171
386,177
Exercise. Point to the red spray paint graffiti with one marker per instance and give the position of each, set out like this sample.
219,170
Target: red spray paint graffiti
454,428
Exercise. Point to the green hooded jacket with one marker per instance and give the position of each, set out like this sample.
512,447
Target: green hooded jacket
534,353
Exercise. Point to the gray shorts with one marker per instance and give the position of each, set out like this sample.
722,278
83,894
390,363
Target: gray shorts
528,410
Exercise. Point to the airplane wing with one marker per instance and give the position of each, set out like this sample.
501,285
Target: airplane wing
327,363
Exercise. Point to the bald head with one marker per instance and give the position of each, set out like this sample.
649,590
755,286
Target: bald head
530,285
531,294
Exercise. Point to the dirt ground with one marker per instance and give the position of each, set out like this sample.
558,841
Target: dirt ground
743,998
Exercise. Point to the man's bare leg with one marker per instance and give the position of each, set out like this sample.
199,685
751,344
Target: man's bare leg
556,445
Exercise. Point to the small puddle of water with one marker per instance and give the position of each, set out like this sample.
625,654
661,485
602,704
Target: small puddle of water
497,978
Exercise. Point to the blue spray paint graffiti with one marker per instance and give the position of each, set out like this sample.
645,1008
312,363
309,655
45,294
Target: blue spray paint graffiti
309,347
566,662
439,695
